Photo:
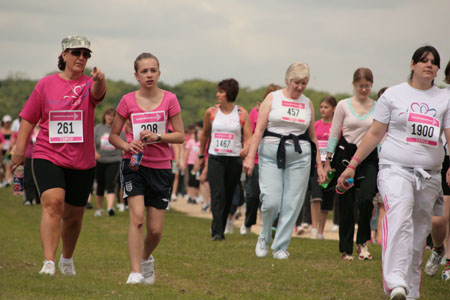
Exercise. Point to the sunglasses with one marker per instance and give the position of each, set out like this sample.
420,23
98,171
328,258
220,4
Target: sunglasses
77,53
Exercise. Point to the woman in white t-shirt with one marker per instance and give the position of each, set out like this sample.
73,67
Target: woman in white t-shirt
287,152
413,115
229,131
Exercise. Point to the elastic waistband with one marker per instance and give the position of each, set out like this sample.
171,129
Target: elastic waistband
409,169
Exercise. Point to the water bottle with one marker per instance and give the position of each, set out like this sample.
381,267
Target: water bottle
18,181
347,183
330,176
135,161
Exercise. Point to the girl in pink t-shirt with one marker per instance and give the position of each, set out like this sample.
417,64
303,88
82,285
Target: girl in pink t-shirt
322,200
149,110
63,158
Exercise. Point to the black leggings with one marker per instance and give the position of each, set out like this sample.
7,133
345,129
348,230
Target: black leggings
106,175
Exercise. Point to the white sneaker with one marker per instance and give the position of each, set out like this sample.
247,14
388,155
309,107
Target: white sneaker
434,262
229,227
148,270
281,254
314,233
66,266
398,293
98,212
48,268
121,207
261,249
135,278
335,228
320,237
244,230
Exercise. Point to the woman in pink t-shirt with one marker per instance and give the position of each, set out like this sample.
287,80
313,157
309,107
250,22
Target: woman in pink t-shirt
149,109
63,159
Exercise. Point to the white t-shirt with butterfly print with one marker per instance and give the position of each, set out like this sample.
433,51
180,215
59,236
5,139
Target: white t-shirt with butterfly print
416,119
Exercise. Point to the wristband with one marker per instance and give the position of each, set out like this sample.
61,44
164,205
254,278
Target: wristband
201,156
351,167
357,160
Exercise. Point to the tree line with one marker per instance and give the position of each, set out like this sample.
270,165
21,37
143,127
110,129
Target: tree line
194,95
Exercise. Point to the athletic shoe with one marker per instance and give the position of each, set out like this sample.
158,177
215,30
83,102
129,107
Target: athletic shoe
305,226
205,207
433,263
217,237
346,257
88,205
335,228
111,212
244,230
446,271
299,230
229,227
48,268
398,293
320,237
261,249
27,202
135,278
121,207
98,213
281,254
444,260
314,233
363,252
66,266
148,270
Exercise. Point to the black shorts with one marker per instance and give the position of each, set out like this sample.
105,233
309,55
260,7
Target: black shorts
325,196
106,175
193,181
154,184
76,183
445,187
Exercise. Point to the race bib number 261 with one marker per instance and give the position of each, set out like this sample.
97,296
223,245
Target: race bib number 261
65,126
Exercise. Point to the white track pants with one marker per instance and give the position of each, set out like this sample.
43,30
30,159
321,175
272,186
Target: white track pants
409,199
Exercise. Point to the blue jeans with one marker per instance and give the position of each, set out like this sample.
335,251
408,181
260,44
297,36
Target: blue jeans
282,191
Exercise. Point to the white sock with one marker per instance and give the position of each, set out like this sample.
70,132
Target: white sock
66,259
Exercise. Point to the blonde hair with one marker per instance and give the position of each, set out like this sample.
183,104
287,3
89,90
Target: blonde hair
297,71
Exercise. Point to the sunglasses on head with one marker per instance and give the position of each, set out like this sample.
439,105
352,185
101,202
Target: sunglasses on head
78,52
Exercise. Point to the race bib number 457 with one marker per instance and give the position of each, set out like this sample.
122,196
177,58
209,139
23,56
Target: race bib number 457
293,112
65,126
422,129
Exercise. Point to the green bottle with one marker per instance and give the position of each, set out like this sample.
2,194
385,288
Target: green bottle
330,176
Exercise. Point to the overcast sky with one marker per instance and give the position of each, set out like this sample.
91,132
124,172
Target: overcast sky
253,41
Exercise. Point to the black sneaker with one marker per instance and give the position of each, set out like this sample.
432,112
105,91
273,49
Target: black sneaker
88,205
111,212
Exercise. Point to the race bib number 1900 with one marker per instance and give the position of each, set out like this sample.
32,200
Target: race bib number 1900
422,129
153,121
65,126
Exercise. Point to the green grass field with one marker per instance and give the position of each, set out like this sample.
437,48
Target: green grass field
188,264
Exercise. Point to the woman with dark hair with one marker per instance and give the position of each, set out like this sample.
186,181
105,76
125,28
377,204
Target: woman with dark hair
412,115
63,159
108,162
352,118
228,128
150,110
286,138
